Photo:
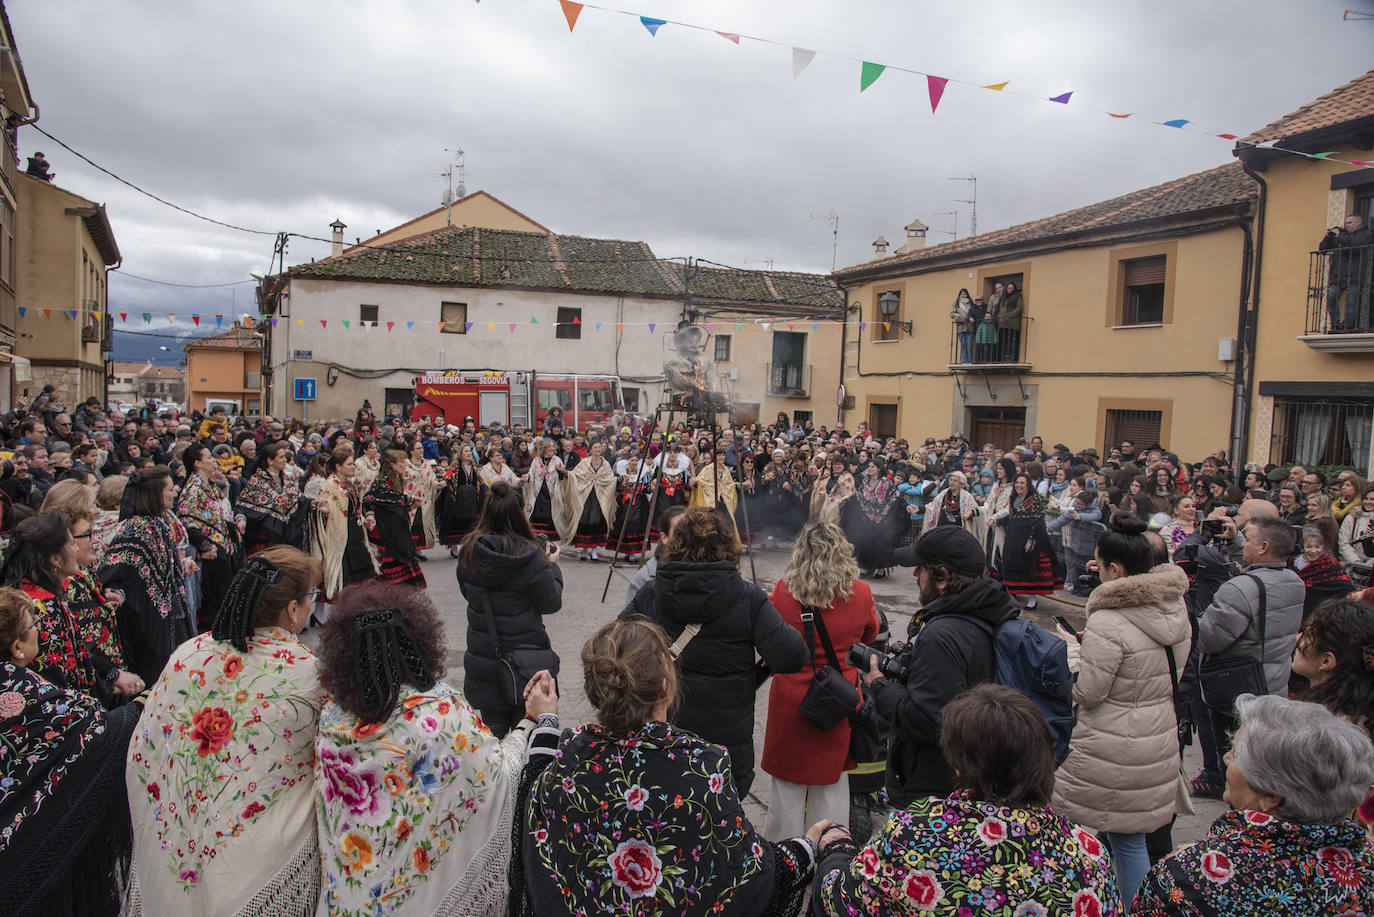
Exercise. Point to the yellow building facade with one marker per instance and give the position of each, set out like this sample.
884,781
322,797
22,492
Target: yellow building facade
16,107
476,209
1128,326
225,367
65,247
1313,385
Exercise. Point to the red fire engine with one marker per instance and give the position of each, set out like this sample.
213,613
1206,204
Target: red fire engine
487,396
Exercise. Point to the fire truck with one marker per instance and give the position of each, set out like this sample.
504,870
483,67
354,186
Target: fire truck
515,397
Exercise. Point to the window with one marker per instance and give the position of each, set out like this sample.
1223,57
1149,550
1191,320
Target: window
454,315
801,417
7,257
1322,431
788,374
1144,291
398,401
1143,428
594,399
722,348
555,397
882,420
630,395
367,314
569,325
885,330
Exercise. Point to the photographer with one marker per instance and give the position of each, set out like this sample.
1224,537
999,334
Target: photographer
950,651
1348,273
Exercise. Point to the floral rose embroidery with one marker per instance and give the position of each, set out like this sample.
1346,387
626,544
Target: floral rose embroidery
717,782
1340,863
357,851
924,889
635,797
359,789
1216,866
212,727
568,784
1258,818
232,667
189,876
420,858
155,791
363,730
540,835
253,808
1031,909
993,831
1086,904
635,867
1091,845
868,862
11,704
403,829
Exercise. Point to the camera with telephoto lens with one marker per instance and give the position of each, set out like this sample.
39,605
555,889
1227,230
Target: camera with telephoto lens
896,664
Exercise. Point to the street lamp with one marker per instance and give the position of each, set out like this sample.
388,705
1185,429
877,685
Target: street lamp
888,303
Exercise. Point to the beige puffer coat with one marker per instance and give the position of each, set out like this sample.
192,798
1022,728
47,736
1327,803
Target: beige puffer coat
1122,771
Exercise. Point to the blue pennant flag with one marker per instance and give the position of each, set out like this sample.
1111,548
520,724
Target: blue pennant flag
652,24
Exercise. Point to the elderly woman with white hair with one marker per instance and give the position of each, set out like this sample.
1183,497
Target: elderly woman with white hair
1294,775
955,505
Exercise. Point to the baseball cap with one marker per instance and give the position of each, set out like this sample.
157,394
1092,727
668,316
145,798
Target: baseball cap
948,545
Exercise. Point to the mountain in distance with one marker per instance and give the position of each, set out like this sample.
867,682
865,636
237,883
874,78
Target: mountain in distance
133,347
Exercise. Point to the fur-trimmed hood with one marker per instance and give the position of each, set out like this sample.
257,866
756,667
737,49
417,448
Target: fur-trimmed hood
1151,601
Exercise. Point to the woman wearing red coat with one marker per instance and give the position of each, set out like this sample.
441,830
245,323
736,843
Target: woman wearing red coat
807,765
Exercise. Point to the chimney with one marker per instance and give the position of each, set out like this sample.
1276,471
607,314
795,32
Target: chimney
337,247
915,236
879,246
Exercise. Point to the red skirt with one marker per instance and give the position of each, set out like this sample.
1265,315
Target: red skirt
1042,582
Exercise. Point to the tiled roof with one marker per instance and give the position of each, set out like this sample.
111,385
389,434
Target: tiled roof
1221,187
1352,102
236,338
473,256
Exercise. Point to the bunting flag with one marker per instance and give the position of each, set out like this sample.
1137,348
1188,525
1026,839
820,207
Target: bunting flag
47,313
729,36
171,318
22,310
651,327
1126,115
301,322
815,326
935,85
1062,98
441,325
97,313
409,325
598,326
869,73
765,325
997,87
467,327
739,325
570,12
124,317
863,326
577,320
791,326
389,326
710,326
324,323
801,59
652,24
533,320
1177,122
512,327
219,321
195,320
619,326
274,321
491,326
345,324
71,314
1320,155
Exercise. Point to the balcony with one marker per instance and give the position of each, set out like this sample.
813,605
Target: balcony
789,380
1338,300
91,333
1008,353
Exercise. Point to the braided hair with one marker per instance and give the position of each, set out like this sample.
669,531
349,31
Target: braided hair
261,590
376,643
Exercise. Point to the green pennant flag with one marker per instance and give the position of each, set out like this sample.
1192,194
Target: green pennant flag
147,318
535,321
1320,155
869,75
345,323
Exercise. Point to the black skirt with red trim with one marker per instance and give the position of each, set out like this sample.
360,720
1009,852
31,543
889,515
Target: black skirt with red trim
591,529
541,518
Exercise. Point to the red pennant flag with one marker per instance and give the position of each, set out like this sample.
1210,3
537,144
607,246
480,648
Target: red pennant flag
571,11
1227,136
1126,115
791,326
390,325
195,319
124,316
47,313
619,326
577,319
441,325
324,323
936,86
729,36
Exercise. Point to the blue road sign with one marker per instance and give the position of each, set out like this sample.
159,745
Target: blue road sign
305,389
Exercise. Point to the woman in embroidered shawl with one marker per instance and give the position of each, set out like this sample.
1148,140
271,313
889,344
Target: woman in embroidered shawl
422,487
714,484
544,489
870,521
220,771
496,469
64,817
268,503
368,462
343,548
636,816
1029,566
750,510
632,512
460,500
830,491
589,502
214,535
142,562
387,510
415,800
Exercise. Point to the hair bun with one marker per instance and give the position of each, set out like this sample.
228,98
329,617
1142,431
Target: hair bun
1129,524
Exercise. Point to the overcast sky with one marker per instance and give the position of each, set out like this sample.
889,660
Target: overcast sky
284,116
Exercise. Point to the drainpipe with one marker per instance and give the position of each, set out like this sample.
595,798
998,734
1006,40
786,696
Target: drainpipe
1238,402
1252,326
844,353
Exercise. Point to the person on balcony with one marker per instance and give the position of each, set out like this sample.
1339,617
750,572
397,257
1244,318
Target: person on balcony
959,314
1348,272
1009,312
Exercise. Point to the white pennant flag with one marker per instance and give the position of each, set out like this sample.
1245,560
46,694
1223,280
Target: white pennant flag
801,59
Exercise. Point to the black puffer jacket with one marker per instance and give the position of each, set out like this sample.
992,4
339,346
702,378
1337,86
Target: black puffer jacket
522,587
718,678
950,652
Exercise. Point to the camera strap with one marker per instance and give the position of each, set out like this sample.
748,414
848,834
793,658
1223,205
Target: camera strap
811,617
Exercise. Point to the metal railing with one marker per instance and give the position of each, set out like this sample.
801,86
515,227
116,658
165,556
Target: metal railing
985,344
1339,290
789,380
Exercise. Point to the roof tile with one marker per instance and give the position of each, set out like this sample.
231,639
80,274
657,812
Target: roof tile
1351,102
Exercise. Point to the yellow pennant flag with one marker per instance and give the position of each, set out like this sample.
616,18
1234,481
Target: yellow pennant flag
491,326
997,87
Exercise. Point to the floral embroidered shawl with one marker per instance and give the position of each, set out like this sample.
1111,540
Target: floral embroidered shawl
876,499
147,545
94,611
415,814
264,498
202,507
63,656
489,475
422,485
221,780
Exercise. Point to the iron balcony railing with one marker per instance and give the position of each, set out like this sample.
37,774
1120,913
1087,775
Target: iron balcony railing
1339,289
789,380
987,346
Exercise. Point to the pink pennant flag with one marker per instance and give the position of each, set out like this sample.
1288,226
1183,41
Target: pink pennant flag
936,86
324,323
570,12
512,327
710,326
1361,162
729,36
390,325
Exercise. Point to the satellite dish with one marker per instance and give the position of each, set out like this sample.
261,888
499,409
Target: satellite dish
448,197
462,190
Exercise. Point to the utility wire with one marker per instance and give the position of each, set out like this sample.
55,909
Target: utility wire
170,283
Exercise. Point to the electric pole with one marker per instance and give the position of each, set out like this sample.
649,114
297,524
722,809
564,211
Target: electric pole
971,199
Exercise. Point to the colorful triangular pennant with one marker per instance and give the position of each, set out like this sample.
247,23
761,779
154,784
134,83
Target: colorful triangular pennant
651,24
345,324
570,12
997,87
1062,98
801,59
869,73
729,36
324,323
195,320
124,317
409,325
1177,122
935,85
441,325
389,326
22,310
651,327
467,327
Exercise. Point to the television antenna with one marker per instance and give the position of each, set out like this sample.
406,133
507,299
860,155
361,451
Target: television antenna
832,219
971,199
948,213
458,166
766,262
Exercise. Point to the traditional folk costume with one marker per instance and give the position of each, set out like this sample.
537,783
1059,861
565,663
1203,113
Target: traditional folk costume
63,657
269,506
221,781
490,475
672,487
365,471
415,815
589,504
1029,566
749,512
64,815
544,496
949,508
204,510
94,612
715,486
422,485
632,511
398,563
871,522
828,496
460,503
343,547
142,562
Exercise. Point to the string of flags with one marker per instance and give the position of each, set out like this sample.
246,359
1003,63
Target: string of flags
871,71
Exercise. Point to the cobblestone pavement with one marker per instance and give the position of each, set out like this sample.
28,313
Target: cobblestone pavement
583,612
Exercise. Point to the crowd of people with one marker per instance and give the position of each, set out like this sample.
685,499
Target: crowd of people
168,744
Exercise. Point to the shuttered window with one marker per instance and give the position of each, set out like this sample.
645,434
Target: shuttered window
882,420
1143,291
1142,428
